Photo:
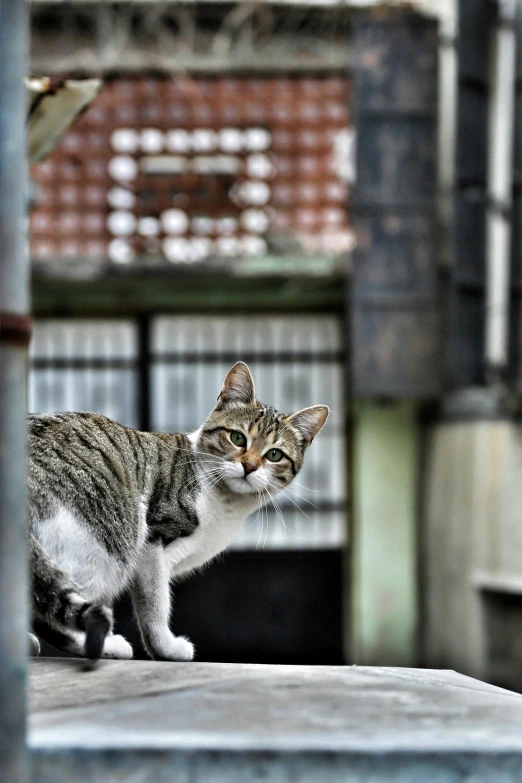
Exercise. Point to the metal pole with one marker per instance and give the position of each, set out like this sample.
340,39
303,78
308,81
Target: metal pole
14,332
500,189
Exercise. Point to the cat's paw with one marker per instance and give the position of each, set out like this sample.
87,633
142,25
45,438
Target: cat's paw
184,649
34,646
116,646
174,648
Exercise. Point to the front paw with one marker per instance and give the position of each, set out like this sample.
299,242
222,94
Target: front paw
172,648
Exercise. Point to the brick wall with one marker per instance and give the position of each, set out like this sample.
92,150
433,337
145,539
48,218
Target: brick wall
181,169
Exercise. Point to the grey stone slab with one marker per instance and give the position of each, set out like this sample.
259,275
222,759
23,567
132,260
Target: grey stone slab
140,721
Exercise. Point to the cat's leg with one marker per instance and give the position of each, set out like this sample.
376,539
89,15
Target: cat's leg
65,639
80,626
73,642
151,598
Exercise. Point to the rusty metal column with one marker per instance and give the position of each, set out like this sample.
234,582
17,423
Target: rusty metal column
14,332
395,297
395,321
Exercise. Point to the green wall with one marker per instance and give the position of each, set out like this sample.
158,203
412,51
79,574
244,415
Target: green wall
383,600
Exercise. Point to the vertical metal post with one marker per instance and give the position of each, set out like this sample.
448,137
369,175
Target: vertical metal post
14,333
395,320
500,189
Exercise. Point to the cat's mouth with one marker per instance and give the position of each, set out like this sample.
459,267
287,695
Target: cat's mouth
242,485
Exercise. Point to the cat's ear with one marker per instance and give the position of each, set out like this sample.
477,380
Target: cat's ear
309,421
238,386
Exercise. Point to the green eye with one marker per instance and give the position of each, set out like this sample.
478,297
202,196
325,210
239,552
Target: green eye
274,455
237,438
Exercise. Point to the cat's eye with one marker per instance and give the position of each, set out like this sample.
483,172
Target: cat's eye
274,455
237,438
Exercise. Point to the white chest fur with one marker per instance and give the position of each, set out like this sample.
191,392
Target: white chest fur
218,522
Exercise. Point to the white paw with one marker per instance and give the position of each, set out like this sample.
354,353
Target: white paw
116,646
34,645
174,648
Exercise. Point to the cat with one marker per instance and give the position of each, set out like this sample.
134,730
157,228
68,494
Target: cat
111,508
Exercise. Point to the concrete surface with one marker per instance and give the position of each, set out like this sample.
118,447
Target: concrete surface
139,721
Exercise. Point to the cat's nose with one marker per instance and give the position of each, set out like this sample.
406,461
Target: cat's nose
248,468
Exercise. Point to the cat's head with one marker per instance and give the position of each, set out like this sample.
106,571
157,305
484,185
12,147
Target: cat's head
251,445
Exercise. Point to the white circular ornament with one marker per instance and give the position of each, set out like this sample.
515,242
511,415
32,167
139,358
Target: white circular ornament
334,216
201,248
204,140
148,226
123,168
121,223
125,140
174,221
226,225
254,246
231,139
176,249
255,220
257,139
259,166
256,193
152,140
179,140
228,246
121,198
120,252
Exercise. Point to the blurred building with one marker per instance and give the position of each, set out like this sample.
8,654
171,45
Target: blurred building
212,205
197,214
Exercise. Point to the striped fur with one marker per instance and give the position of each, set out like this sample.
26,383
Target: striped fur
111,508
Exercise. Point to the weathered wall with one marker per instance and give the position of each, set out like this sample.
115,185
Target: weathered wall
472,549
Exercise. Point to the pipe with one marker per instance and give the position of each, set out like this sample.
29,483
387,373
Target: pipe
447,130
13,339
500,189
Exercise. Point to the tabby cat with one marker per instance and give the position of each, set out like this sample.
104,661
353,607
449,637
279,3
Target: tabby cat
112,508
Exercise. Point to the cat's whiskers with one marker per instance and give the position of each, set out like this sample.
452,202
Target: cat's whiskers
288,497
204,470
212,481
262,510
308,489
254,519
264,523
277,489
199,460
203,474
194,451
301,497
206,479
278,510
266,527
290,488
209,488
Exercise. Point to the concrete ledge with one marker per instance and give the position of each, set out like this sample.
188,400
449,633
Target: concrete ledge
140,721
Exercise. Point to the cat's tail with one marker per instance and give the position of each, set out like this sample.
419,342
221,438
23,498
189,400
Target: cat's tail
59,607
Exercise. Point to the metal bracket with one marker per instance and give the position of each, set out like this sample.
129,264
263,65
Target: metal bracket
15,329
